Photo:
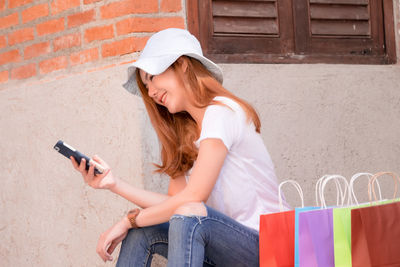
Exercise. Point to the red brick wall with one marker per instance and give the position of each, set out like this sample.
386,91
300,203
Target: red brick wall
56,36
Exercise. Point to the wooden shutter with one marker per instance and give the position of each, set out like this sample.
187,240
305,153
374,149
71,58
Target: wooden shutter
339,28
250,29
294,31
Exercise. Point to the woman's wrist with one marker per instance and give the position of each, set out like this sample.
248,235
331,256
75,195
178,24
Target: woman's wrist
126,223
129,220
114,187
131,216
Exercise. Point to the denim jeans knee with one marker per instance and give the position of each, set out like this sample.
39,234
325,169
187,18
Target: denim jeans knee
215,238
192,208
141,244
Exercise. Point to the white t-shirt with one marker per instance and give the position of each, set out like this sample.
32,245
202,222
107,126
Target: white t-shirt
247,185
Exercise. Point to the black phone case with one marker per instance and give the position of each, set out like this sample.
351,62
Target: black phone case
69,151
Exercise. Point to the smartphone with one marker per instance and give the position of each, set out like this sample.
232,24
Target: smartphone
69,151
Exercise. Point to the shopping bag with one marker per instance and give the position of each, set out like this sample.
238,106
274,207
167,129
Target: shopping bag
375,236
277,235
277,239
375,232
316,231
316,238
299,211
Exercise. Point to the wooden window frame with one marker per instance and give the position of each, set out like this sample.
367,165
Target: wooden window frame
202,33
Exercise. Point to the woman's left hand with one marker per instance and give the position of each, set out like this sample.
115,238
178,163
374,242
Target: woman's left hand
110,239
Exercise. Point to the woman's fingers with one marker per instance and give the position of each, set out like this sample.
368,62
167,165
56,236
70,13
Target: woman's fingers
113,245
102,255
99,160
91,170
94,180
102,249
107,255
109,240
82,165
74,163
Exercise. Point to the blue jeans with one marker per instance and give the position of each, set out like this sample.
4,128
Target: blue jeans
212,240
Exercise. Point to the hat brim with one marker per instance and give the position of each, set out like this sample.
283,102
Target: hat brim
157,65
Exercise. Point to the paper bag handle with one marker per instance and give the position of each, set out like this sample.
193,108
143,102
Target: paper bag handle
338,186
375,177
318,188
354,178
298,188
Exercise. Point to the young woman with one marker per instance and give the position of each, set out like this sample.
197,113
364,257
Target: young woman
221,175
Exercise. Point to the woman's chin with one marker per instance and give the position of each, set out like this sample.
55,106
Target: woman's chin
173,109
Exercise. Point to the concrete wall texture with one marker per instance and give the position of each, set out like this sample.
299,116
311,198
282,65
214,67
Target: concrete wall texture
316,119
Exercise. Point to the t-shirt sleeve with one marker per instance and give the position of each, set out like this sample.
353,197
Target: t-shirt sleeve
223,123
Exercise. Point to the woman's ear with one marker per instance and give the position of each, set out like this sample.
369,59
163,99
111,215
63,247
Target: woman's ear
183,63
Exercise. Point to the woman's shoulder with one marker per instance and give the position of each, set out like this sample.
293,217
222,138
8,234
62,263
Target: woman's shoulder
227,102
225,108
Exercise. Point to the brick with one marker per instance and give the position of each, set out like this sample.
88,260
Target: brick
35,12
148,24
53,64
10,56
171,5
80,18
24,72
122,47
36,50
67,41
99,33
84,56
9,20
3,76
90,1
50,26
3,42
58,6
2,4
20,36
126,7
16,3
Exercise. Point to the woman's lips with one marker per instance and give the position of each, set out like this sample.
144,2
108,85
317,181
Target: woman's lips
162,98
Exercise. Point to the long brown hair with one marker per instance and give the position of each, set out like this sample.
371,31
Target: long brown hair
178,132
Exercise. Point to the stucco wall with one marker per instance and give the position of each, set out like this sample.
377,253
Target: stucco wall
49,217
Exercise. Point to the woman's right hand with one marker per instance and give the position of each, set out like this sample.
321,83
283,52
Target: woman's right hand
99,181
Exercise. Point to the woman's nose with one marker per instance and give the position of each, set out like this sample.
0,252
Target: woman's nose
152,92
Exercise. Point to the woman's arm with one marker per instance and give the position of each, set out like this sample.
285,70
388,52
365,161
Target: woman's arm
140,197
176,185
144,198
211,157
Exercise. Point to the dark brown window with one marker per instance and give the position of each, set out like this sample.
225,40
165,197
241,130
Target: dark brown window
294,31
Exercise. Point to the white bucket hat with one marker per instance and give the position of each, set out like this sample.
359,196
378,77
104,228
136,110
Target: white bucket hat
162,50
